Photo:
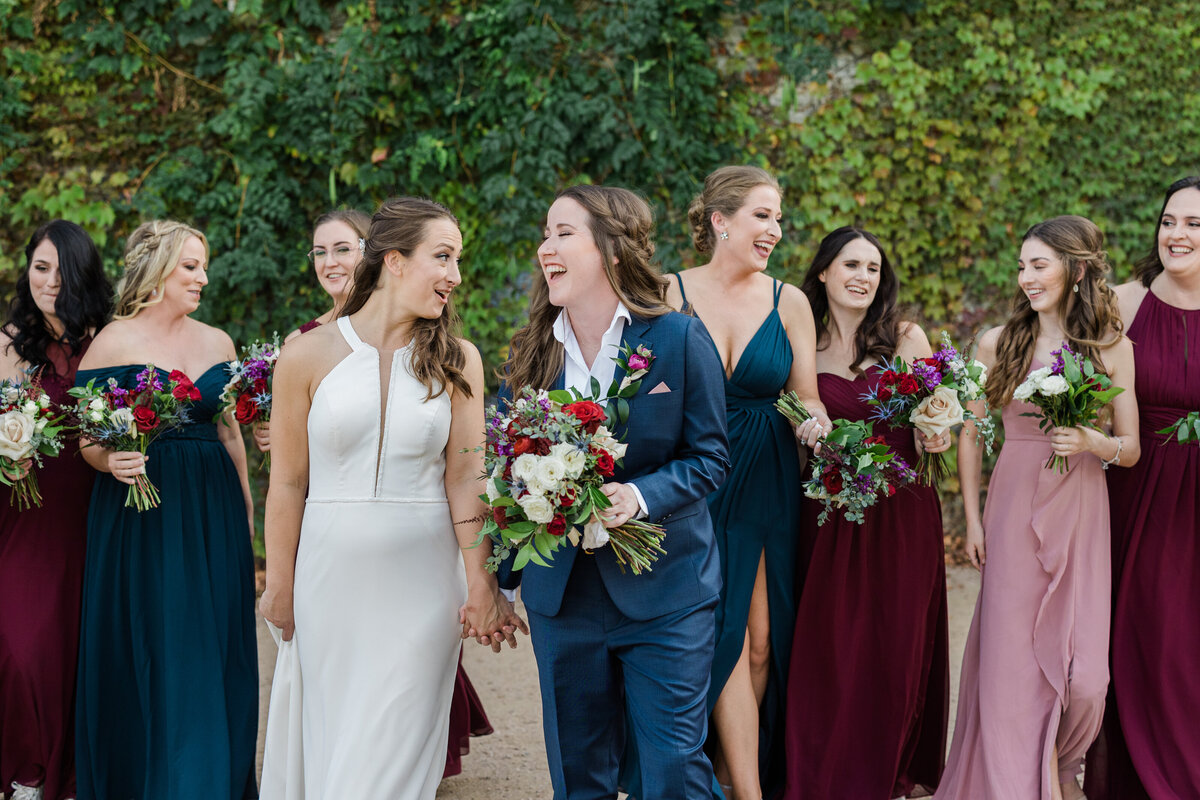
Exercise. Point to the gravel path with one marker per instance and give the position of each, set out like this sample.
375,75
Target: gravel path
511,763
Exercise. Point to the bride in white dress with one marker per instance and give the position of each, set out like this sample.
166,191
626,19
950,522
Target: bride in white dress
365,580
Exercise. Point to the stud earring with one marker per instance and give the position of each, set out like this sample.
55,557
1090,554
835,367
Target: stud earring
1076,290
724,234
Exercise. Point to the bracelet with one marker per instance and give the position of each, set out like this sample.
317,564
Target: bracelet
1106,463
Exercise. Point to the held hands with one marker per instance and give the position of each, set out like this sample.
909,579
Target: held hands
276,608
126,465
976,551
489,618
262,436
624,504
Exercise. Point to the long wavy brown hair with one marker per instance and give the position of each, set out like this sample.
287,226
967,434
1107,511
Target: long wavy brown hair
879,331
622,225
1091,320
1150,265
401,224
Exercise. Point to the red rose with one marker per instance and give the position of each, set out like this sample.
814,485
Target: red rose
179,376
558,525
889,377
908,384
246,411
604,464
891,490
146,419
567,499
522,445
500,516
260,386
832,480
587,412
875,440
884,393
541,447
184,388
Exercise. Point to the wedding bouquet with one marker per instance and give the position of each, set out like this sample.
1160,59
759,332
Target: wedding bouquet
1185,429
546,458
248,392
931,395
854,467
130,419
1068,393
30,428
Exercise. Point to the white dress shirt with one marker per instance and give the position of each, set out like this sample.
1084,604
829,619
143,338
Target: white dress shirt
578,375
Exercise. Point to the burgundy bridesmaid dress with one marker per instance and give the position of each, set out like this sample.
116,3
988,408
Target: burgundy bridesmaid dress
41,582
1150,745
868,686
467,717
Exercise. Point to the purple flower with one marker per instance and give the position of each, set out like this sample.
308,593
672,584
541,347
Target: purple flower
148,379
946,354
929,375
638,362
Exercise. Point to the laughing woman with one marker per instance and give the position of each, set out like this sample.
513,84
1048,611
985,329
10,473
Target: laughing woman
764,333
1035,667
869,675
1150,747
168,665
606,640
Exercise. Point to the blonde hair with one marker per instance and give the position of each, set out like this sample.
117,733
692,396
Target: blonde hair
151,254
725,190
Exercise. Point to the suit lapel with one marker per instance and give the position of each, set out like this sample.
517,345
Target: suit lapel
636,333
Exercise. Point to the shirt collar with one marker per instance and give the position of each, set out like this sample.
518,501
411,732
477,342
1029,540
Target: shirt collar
563,329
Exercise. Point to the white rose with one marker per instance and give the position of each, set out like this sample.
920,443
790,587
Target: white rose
16,429
595,535
537,508
934,415
1024,391
982,372
607,442
490,485
973,389
572,457
525,467
1037,376
97,404
30,408
550,471
1054,384
96,416
123,418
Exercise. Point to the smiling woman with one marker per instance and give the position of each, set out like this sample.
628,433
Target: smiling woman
167,651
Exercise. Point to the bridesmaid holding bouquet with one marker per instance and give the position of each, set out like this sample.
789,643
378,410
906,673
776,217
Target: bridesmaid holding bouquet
867,693
62,299
168,666
1150,744
1035,669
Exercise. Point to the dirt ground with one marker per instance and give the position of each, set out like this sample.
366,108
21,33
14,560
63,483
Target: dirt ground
511,763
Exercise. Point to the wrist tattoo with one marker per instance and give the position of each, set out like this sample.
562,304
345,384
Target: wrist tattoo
472,520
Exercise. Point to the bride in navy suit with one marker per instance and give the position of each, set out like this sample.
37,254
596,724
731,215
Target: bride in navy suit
608,641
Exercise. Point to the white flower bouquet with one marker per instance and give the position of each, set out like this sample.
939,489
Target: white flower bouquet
30,429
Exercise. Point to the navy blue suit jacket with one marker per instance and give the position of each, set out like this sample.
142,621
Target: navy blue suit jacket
678,454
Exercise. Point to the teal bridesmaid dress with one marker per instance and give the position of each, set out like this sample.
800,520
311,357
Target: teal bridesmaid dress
755,514
167,700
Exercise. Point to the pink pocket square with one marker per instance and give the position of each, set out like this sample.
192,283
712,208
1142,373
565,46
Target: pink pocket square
662,388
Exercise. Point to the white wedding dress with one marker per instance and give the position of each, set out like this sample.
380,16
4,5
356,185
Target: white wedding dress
361,702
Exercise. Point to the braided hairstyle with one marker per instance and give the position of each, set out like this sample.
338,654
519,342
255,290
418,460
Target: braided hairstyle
401,224
622,225
1090,317
84,300
725,190
151,254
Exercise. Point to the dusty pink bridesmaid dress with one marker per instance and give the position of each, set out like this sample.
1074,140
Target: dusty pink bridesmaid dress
1035,668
